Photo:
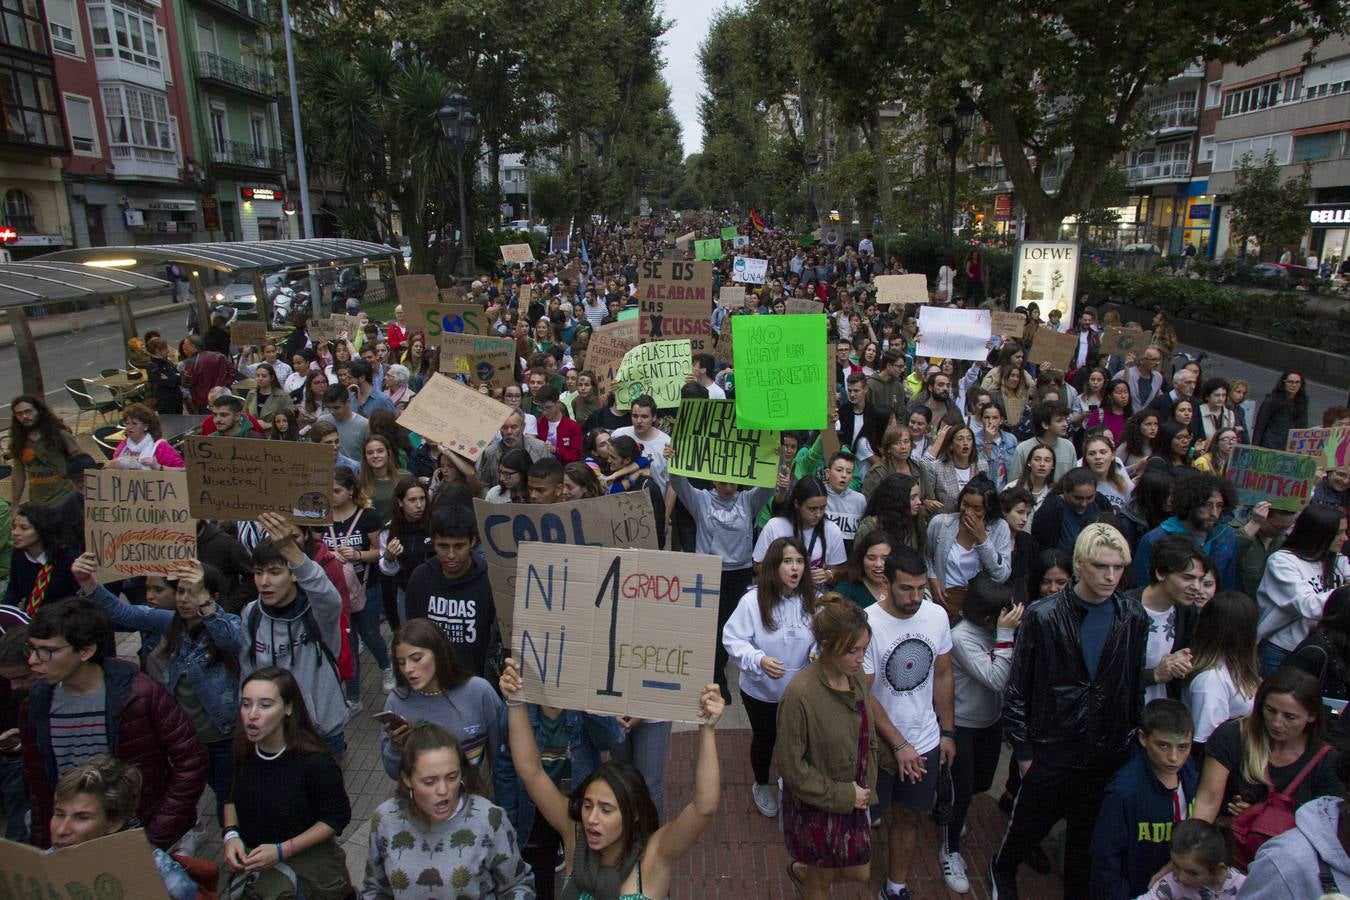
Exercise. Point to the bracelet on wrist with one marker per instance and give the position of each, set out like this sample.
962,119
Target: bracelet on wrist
515,702
900,746
231,834
280,855
948,733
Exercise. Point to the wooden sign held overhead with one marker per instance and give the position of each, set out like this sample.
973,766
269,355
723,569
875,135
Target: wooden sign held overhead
482,360
606,350
616,631
1009,325
613,520
248,334
901,288
456,417
137,522
236,478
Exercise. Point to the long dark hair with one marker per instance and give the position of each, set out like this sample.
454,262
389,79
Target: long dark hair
1152,493
808,487
298,728
1314,531
1047,559
399,524
46,424
1167,432
889,508
636,809
1335,626
1225,636
214,582
422,633
53,532
854,571
1134,440
769,587
1307,693
1278,400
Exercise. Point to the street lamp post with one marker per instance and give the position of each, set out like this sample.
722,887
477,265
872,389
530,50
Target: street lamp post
460,127
953,129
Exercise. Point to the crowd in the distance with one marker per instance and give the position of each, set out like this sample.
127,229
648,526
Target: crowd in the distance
971,558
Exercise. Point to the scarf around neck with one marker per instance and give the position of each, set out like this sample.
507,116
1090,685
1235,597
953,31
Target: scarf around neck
589,876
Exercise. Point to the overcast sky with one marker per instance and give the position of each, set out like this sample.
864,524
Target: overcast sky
690,18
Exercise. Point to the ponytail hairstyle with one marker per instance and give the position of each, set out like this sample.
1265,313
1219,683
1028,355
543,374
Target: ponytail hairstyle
837,623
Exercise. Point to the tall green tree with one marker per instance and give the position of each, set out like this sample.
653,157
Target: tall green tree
1267,208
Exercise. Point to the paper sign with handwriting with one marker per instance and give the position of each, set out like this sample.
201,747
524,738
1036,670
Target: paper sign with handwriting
240,479
709,445
517,253
1306,441
802,306
902,288
731,296
1123,341
1285,480
137,521
683,240
115,867
1050,348
481,359
1008,325
330,328
606,350
750,270
454,318
1336,449
781,371
946,333
729,233
248,334
456,417
613,520
658,368
675,301
616,632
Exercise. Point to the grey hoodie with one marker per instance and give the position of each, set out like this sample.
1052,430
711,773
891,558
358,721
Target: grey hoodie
280,639
1286,867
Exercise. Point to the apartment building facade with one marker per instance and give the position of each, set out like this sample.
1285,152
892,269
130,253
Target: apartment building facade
34,216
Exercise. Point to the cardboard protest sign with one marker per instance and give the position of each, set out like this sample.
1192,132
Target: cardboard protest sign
237,478
675,301
709,249
1123,341
803,306
137,521
683,240
637,638
481,359
633,246
1306,441
731,296
248,334
439,318
116,866
729,233
1046,273
613,520
330,328
947,333
709,445
722,351
456,417
749,269
901,288
1285,480
455,293
1050,348
781,371
1008,325
606,349
415,288
740,242
513,254
658,368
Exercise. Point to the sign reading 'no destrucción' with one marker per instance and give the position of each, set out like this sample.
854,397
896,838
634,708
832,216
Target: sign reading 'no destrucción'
137,522
616,632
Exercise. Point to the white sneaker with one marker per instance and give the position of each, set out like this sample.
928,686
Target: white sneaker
387,680
954,871
354,708
765,801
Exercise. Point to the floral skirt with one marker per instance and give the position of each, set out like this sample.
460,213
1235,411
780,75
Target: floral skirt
822,839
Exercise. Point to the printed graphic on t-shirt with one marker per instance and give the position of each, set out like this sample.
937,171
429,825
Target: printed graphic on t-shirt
458,619
908,664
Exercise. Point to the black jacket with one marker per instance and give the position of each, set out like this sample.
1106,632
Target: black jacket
229,556
1053,712
1046,526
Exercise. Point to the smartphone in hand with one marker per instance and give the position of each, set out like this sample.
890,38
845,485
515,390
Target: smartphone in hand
390,720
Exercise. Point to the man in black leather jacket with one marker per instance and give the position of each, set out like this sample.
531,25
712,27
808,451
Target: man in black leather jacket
1072,703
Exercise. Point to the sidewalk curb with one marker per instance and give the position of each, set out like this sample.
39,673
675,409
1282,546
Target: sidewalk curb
7,341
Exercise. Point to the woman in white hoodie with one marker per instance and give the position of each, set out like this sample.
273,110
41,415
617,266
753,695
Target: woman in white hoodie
1299,578
769,638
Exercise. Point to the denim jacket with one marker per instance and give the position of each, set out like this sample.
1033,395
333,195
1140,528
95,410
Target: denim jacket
587,737
215,685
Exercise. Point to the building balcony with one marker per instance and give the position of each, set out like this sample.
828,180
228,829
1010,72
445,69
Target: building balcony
1195,70
249,12
221,72
1171,170
242,155
131,162
1173,120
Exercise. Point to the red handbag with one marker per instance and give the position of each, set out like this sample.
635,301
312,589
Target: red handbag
1272,816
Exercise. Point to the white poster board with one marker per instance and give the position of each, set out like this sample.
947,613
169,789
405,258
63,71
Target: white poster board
750,270
948,333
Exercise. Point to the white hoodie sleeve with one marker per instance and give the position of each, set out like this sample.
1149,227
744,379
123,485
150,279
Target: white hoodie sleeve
740,635
989,668
1288,592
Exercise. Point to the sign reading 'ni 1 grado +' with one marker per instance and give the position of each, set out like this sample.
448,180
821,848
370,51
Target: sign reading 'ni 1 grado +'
616,631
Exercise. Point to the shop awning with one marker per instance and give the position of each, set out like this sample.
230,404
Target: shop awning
25,283
227,256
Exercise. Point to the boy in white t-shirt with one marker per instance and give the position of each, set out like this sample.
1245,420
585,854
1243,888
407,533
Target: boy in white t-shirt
912,702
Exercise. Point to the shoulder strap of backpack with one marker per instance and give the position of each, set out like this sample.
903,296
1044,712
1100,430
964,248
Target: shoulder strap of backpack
312,627
251,625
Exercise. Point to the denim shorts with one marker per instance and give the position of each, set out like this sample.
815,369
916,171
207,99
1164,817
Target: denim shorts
915,796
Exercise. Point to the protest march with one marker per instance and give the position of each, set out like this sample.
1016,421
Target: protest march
686,526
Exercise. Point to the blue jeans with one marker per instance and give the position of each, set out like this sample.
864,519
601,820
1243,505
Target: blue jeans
337,742
1272,657
14,797
647,747
366,628
220,771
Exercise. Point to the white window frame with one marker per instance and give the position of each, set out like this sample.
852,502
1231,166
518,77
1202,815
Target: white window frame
257,132
1208,149
139,23
1214,95
162,37
126,106
76,38
213,107
96,150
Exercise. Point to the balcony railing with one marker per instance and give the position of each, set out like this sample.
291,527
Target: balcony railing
1163,171
1172,118
247,156
226,71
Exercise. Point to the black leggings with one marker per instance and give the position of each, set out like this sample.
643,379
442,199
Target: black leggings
735,582
977,752
763,734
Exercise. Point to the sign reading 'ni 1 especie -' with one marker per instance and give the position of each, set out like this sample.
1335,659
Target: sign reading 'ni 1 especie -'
617,632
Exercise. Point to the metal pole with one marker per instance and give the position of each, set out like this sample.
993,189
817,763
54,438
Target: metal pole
29,367
951,197
124,316
302,172
465,247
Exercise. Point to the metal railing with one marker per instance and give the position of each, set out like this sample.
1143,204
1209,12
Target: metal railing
250,9
1172,118
1176,168
218,68
240,153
